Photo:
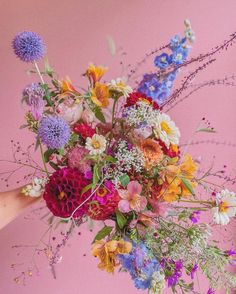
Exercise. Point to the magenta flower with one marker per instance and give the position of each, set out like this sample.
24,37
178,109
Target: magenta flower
131,198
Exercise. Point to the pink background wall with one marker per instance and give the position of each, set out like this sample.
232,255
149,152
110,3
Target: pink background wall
75,33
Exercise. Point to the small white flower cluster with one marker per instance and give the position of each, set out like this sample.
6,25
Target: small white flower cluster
36,188
126,160
158,283
140,113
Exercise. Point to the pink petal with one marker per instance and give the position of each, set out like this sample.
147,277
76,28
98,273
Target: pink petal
143,202
124,194
123,206
134,188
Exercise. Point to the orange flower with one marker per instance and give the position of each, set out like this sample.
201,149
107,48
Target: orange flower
66,86
100,95
173,186
95,73
107,251
152,152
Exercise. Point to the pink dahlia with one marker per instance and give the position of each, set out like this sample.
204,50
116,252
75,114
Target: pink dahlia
104,203
63,193
76,159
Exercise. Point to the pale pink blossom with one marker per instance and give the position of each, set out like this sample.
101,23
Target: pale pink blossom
70,111
131,198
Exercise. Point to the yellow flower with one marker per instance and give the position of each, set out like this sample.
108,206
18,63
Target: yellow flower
66,86
95,73
188,167
107,251
100,95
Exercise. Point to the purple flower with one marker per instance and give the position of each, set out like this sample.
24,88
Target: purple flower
33,95
230,252
210,291
162,61
193,271
175,271
195,216
54,132
28,46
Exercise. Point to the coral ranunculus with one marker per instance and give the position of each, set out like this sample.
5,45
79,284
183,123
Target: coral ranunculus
63,193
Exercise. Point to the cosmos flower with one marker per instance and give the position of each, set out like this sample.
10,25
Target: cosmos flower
107,253
119,85
100,95
95,73
131,198
96,145
28,46
225,207
166,130
54,132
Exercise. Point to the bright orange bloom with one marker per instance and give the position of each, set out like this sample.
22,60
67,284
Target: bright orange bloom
152,152
66,86
173,186
100,95
107,251
95,73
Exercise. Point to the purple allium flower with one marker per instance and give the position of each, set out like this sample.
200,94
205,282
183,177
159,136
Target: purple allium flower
28,46
33,96
193,271
54,132
195,216
162,61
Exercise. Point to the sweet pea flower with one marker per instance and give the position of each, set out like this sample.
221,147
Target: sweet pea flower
70,111
131,198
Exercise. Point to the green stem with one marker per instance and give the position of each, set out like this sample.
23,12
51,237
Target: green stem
197,201
39,73
44,162
113,112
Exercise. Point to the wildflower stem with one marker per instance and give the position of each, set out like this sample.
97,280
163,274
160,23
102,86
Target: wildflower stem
197,201
39,73
44,162
113,112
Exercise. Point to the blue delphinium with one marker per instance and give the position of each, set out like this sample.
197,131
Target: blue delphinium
176,42
54,132
179,55
163,60
141,265
28,46
150,86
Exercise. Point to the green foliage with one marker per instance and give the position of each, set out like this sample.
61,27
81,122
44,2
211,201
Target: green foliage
103,233
124,180
121,219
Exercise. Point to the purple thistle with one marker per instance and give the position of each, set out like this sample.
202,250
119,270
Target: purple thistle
28,46
54,132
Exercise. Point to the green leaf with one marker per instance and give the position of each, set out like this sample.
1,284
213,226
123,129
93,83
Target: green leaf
54,165
121,220
103,233
47,68
37,144
47,95
206,130
99,115
124,180
188,185
47,154
110,159
96,175
61,151
88,187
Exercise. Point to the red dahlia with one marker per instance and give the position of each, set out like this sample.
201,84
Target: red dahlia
134,97
84,130
63,193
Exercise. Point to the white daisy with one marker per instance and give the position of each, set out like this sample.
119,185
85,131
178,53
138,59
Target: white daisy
120,86
96,145
225,207
166,130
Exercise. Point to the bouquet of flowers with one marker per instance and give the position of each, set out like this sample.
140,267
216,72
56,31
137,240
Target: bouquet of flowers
110,153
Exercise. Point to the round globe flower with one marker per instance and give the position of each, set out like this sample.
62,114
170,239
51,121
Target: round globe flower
28,46
63,193
54,132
